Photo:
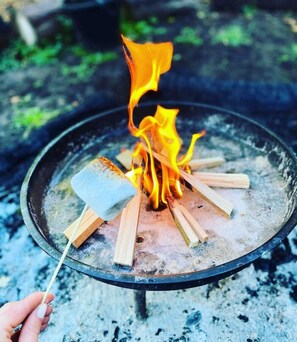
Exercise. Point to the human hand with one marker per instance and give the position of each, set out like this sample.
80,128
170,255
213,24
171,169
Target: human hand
29,312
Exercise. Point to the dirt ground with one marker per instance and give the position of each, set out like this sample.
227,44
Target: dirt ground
254,62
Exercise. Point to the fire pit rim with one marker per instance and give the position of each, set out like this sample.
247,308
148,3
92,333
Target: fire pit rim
148,281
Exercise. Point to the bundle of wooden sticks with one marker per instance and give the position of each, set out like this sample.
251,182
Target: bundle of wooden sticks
190,229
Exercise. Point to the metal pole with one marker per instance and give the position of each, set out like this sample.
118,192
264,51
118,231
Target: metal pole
140,304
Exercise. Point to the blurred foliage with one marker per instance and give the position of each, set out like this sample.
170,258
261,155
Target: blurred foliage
249,11
188,35
145,29
233,35
18,54
28,117
88,61
289,54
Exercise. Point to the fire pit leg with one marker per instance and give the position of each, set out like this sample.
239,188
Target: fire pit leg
140,304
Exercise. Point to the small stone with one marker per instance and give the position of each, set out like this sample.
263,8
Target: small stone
194,318
15,99
158,332
293,293
4,281
243,318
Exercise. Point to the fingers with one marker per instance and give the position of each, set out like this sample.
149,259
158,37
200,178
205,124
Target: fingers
29,331
31,327
14,313
49,310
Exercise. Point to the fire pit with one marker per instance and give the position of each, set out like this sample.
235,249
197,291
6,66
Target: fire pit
263,215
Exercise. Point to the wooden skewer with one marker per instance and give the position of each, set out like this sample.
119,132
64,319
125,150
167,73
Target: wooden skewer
54,276
202,235
206,192
125,158
196,164
182,224
224,180
125,245
89,224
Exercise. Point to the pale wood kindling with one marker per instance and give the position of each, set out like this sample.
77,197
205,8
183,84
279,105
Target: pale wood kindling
224,180
90,222
125,245
196,164
125,158
206,192
183,224
202,235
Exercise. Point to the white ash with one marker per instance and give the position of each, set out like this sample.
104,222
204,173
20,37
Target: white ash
259,212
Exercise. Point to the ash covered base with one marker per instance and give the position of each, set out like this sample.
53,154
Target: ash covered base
259,213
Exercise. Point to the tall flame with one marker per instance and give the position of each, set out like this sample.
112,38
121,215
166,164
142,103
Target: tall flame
146,64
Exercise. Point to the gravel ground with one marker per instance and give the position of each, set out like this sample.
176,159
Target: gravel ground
257,304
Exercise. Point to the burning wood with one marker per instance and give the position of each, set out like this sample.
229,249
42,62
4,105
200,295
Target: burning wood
207,193
159,149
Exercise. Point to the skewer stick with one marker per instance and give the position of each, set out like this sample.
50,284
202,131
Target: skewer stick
224,180
196,164
89,224
182,224
54,276
202,235
125,245
206,192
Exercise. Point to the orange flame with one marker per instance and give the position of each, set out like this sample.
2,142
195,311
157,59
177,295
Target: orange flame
146,64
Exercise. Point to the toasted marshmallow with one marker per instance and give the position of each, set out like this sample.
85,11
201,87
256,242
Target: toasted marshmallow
104,187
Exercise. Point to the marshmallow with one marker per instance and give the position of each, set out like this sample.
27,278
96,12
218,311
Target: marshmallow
104,187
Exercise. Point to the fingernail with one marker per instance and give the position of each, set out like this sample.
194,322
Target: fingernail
41,311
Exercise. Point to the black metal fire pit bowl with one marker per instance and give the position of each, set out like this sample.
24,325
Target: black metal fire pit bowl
263,215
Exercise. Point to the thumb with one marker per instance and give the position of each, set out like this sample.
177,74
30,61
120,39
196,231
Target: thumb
31,327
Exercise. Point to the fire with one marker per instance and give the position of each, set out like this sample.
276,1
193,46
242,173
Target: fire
146,63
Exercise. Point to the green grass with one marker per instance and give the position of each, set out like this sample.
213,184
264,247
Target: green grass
233,35
249,11
289,54
28,116
19,55
87,63
188,35
144,29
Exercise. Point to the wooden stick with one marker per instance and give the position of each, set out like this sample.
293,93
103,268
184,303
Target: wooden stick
125,158
224,180
182,224
202,235
89,224
125,245
206,192
196,164
54,276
